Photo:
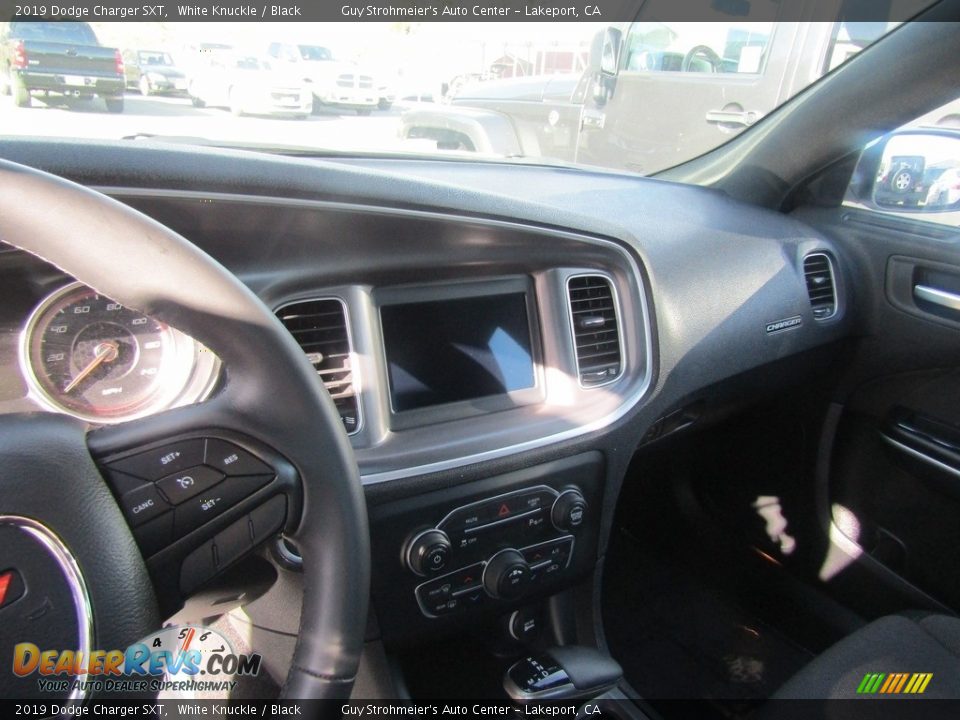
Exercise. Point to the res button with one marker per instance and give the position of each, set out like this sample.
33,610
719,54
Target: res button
232,460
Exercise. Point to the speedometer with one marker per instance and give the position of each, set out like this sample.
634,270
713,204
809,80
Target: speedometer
93,358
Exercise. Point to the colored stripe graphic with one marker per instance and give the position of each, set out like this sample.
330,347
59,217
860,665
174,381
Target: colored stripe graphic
894,683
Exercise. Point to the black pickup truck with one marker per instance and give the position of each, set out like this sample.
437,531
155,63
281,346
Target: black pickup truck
62,58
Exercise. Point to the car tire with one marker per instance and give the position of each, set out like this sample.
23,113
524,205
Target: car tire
145,86
21,94
364,112
114,104
384,105
902,181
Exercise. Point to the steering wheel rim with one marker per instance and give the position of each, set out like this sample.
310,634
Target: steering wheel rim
704,51
271,393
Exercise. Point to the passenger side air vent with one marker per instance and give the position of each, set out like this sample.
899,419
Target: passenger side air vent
596,332
320,327
818,272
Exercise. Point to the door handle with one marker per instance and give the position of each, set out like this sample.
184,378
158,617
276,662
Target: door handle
943,298
733,117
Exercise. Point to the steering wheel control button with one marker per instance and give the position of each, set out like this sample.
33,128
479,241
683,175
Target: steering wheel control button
569,510
162,461
196,511
232,460
428,552
185,484
232,543
198,567
506,575
143,504
267,520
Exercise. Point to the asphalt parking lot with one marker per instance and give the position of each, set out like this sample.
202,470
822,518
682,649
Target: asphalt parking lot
170,116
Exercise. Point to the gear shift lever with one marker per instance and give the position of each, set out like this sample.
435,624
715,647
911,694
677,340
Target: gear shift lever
570,671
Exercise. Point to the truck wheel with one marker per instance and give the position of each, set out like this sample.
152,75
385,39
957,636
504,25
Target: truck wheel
384,104
114,104
144,86
364,112
21,95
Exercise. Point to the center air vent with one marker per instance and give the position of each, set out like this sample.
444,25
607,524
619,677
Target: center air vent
596,332
818,273
320,327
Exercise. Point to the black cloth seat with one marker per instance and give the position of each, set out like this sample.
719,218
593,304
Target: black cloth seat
893,644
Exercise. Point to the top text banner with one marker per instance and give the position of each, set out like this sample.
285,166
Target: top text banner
469,10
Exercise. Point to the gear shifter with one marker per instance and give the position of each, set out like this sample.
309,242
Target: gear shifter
570,671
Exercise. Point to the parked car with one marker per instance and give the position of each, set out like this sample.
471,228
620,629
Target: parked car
653,94
153,72
249,85
336,84
62,59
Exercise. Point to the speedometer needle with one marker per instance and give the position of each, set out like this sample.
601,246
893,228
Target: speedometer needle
104,352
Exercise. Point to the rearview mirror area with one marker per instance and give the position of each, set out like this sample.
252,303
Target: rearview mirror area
919,172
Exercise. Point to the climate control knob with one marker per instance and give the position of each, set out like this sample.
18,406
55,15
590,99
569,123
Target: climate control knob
506,575
569,510
428,552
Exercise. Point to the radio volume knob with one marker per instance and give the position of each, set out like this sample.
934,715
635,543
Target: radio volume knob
428,552
506,575
569,510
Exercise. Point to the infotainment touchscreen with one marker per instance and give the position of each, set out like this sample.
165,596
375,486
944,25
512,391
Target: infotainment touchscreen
456,349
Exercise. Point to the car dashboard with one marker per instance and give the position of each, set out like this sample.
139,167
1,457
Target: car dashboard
497,339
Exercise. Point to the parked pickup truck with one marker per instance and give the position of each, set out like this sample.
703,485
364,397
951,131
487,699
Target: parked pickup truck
654,94
59,58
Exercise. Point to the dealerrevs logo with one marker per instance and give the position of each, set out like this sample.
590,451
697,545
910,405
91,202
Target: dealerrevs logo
185,658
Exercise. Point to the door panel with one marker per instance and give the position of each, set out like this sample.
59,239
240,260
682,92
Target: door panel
894,479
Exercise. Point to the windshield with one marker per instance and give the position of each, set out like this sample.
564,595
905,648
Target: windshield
637,97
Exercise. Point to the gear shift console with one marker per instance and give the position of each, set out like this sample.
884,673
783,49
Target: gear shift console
559,673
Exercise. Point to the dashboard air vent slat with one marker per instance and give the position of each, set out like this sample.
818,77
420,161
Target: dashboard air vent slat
596,331
821,288
320,328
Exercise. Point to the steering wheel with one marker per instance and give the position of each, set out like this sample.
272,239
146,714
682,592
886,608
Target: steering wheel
52,491
706,53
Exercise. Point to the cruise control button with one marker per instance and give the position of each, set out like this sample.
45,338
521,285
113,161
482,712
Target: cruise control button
143,504
194,512
183,485
155,464
232,460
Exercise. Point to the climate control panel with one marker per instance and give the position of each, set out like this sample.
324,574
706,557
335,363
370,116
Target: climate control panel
486,545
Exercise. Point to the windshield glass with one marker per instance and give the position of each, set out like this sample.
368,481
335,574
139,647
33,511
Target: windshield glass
637,97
